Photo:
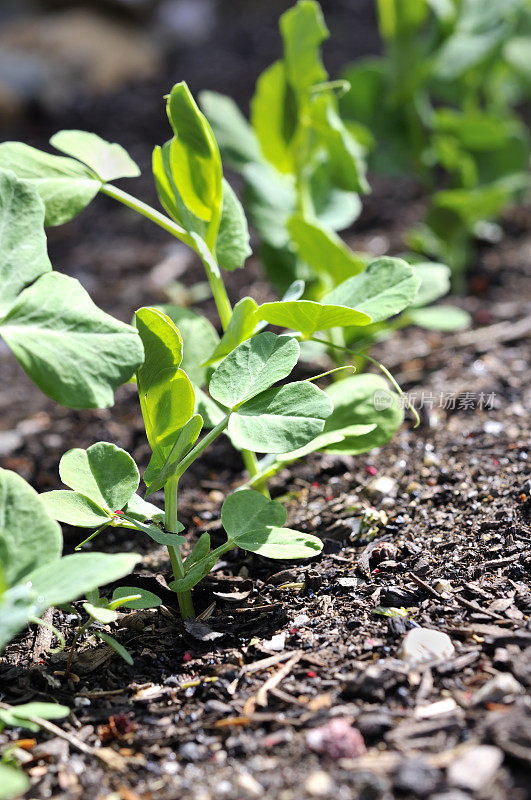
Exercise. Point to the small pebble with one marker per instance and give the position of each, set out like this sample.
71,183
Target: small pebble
319,784
337,739
422,645
382,486
475,768
249,786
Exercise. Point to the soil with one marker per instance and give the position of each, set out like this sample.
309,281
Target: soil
294,684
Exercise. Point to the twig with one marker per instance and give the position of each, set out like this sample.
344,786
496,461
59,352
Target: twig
275,679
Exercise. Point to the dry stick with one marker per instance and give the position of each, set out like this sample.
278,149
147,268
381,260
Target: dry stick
104,754
458,599
43,636
275,679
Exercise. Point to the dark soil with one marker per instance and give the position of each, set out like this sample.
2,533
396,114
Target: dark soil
225,708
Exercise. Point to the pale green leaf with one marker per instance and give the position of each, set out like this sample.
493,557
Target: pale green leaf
64,185
199,337
142,510
73,351
29,536
234,135
387,286
103,615
280,543
73,576
440,318
23,254
253,367
199,551
362,400
240,328
74,509
248,510
303,30
323,250
13,782
108,161
104,473
232,243
308,317
434,282
280,419
270,201
272,117
146,599
195,159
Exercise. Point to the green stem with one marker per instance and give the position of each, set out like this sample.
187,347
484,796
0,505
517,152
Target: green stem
147,211
199,448
171,496
251,463
220,295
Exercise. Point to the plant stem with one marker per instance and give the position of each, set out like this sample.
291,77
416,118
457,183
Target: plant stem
220,295
171,495
199,448
147,211
251,463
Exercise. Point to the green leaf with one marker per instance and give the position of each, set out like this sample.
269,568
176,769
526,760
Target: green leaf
74,509
253,367
108,161
270,201
166,394
73,576
303,30
29,536
166,180
232,243
280,543
233,133
209,410
280,419
199,551
119,648
23,254
64,185
146,599
346,156
440,318
254,523
199,337
103,615
271,115
195,159
434,282
141,510
362,400
16,608
75,353
104,473
163,344
308,317
195,574
162,464
516,52
387,286
323,250
13,782
240,328
248,510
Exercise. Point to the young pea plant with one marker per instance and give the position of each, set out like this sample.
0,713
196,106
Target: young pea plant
441,104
